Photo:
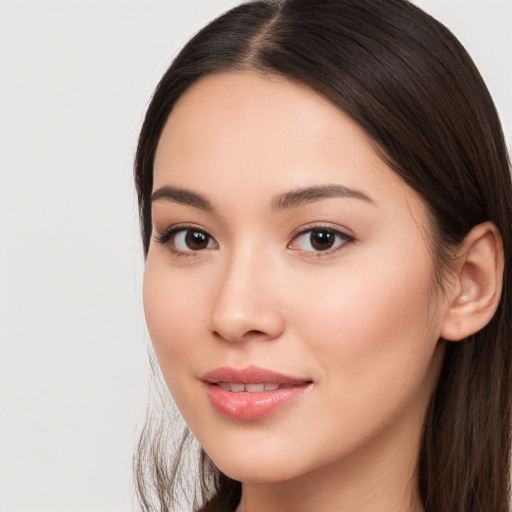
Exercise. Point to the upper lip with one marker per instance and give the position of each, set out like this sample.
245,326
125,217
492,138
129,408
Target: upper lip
250,375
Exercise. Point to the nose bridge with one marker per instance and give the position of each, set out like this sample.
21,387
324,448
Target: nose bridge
245,305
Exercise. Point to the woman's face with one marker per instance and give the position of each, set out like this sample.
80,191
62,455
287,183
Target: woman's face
289,284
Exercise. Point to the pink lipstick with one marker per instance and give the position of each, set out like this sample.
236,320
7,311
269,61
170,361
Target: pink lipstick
251,393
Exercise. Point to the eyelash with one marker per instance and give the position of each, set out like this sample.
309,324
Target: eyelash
167,238
343,238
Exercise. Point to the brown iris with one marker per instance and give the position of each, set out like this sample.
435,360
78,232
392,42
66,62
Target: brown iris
196,240
322,240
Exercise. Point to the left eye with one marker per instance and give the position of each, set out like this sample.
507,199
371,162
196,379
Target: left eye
319,240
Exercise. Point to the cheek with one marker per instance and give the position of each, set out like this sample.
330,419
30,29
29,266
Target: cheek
371,325
171,308
373,342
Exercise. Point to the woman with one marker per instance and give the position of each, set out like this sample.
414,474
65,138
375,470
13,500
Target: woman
325,198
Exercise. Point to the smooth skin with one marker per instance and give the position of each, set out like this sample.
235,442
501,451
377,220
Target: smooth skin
236,277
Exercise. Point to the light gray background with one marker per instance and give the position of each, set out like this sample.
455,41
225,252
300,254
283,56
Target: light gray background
75,78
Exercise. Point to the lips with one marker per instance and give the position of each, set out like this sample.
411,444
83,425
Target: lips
251,393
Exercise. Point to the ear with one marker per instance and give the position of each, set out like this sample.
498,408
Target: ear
476,288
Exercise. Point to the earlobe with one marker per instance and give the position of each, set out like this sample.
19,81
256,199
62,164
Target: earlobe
476,290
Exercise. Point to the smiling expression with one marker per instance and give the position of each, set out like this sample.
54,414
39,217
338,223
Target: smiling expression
287,256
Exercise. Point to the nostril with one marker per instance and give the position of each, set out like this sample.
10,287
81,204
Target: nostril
253,332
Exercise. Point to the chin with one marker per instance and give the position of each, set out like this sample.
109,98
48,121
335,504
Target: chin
260,463
257,474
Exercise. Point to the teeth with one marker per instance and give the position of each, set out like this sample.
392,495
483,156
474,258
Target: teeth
254,388
236,387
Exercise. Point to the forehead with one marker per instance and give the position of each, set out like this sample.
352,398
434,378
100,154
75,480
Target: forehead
267,134
247,120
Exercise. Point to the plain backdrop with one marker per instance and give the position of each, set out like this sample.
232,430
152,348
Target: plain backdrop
75,78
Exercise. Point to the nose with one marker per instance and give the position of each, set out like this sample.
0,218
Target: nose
246,305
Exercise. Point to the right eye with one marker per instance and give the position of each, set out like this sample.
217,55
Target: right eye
186,240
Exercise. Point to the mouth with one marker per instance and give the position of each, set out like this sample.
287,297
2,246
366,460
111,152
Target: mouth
239,387
252,393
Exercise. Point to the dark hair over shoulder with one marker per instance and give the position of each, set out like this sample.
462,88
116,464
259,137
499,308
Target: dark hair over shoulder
407,81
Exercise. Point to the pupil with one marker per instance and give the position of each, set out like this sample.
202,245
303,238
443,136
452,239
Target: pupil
322,240
196,240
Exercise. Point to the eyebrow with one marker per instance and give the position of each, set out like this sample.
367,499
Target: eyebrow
307,195
182,196
283,201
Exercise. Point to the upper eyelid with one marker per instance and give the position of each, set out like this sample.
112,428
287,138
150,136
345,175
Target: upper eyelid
173,230
337,232
321,225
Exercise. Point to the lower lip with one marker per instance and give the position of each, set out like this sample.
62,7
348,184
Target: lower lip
251,406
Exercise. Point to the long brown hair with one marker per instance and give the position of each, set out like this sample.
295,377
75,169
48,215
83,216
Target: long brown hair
407,81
